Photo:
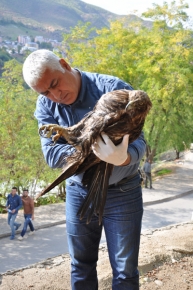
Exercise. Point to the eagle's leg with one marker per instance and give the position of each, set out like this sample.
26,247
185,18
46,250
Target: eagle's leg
46,131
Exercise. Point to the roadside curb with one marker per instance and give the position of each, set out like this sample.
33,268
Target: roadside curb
167,198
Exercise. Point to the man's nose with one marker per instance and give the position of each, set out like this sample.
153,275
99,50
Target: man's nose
56,93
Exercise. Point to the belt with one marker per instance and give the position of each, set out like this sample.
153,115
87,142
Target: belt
124,180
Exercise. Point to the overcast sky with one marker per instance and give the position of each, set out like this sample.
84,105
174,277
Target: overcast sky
127,6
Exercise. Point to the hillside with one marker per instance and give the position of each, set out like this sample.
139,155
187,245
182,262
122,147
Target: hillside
49,17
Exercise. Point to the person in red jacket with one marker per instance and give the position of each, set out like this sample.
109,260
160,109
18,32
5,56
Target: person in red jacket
28,206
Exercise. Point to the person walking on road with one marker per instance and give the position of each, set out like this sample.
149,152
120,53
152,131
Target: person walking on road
147,170
13,204
28,206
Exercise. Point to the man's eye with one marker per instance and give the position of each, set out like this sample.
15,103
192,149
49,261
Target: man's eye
54,85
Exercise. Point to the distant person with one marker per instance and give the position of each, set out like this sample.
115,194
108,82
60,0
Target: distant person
13,204
147,170
28,206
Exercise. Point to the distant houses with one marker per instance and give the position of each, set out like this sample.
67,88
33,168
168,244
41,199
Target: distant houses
23,39
31,46
25,43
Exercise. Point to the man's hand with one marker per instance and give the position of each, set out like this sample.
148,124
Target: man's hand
32,217
13,211
108,152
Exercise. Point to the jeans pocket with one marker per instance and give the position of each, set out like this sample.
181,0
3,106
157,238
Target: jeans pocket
130,184
72,186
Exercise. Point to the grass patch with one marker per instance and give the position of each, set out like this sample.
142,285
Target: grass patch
163,171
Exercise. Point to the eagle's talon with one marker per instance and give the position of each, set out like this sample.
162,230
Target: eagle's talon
45,131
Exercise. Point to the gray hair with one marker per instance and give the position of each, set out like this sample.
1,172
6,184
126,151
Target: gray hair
36,64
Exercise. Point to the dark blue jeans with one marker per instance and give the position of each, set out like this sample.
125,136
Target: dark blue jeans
122,224
26,223
148,177
11,222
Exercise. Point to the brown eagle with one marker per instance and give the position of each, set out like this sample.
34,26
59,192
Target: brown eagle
116,113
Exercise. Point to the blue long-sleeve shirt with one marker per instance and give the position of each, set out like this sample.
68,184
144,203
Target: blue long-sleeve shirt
147,167
14,202
93,86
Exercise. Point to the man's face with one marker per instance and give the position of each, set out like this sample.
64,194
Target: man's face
13,191
25,193
60,87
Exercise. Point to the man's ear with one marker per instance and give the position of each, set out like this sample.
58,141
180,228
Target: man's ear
64,64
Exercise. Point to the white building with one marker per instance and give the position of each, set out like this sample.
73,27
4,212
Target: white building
23,39
31,46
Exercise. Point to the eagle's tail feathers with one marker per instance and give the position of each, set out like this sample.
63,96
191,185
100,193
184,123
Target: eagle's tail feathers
97,191
96,200
89,197
104,190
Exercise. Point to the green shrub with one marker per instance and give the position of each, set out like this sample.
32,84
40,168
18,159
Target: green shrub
49,199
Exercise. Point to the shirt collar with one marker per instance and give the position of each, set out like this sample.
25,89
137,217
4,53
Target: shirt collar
81,94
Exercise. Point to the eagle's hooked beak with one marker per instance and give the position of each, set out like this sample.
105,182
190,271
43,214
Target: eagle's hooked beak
129,105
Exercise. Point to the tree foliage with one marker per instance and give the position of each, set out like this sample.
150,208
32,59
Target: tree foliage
4,56
45,45
21,160
167,65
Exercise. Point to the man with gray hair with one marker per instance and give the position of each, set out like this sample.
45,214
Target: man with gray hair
66,95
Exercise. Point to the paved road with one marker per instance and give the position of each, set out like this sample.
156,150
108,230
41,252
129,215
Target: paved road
50,242
167,213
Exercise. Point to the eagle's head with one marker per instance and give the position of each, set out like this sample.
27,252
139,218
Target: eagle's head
137,100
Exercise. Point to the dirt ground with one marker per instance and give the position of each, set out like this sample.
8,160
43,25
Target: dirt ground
165,262
172,251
